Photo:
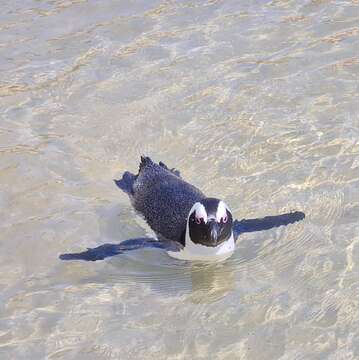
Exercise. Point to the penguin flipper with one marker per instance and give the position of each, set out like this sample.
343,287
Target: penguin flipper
126,183
173,170
107,250
266,223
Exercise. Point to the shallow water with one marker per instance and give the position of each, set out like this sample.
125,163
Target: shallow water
255,102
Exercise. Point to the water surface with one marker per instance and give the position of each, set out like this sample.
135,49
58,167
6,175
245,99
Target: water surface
255,102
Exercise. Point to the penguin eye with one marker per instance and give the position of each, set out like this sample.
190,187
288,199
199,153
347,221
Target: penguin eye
224,219
199,220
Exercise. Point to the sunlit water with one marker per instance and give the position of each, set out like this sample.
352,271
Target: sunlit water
254,101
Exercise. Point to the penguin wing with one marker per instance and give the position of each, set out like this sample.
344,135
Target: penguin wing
107,250
173,170
266,223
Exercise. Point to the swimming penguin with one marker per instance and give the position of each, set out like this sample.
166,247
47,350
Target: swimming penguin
189,225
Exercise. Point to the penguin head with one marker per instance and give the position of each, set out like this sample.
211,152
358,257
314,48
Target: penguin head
209,222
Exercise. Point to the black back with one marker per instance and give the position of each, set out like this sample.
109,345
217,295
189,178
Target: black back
163,198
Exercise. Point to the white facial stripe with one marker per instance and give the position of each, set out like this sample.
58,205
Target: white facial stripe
199,210
221,211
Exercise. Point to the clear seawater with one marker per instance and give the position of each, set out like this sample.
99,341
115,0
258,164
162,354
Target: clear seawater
255,102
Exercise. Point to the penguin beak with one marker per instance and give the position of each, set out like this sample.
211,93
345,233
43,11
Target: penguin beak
213,231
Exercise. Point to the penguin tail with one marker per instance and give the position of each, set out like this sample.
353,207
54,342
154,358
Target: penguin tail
126,183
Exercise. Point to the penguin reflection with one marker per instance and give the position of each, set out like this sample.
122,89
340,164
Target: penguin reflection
212,281
196,282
